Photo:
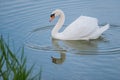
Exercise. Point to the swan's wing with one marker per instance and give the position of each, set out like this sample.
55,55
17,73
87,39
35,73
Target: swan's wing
81,27
99,31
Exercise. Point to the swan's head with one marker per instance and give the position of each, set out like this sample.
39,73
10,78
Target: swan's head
55,13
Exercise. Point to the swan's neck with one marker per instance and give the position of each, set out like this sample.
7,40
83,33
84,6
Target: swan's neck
55,31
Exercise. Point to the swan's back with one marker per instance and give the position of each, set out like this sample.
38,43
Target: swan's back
81,28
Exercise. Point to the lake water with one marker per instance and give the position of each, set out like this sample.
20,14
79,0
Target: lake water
26,22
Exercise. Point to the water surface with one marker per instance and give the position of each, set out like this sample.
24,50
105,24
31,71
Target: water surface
26,22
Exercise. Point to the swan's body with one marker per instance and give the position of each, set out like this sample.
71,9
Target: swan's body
83,28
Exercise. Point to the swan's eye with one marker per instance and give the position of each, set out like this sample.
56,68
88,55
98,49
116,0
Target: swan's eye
52,15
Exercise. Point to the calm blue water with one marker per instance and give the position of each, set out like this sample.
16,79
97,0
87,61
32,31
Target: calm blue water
26,22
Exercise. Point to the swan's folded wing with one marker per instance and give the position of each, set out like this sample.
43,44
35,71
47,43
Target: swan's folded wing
81,27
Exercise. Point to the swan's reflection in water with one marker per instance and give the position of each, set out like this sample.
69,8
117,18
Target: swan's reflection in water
76,47
59,50
59,60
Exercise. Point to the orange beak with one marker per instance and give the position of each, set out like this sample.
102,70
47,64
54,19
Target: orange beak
51,18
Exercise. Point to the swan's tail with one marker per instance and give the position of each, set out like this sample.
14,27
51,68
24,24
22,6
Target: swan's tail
104,28
96,34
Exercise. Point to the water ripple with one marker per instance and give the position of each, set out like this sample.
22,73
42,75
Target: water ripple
78,47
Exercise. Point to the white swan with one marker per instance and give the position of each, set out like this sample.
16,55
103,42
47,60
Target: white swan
83,28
